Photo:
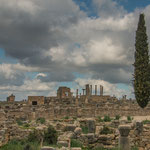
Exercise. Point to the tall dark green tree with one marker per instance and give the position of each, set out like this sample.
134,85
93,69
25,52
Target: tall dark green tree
141,65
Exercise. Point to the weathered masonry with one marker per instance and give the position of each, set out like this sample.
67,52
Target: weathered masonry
36,100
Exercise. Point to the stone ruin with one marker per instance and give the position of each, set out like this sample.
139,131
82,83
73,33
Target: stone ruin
11,98
89,104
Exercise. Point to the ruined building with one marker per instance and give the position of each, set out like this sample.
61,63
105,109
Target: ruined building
36,100
64,92
11,98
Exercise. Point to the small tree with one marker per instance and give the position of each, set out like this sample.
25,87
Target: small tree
141,65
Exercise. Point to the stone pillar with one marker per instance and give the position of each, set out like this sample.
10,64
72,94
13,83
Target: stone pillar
95,89
90,89
124,141
77,93
83,91
87,89
101,90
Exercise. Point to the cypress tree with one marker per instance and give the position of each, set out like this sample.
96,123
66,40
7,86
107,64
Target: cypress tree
141,65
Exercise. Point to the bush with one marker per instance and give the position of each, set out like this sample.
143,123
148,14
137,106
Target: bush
106,130
67,117
41,120
34,136
26,125
107,119
75,143
50,135
84,129
129,118
19,122
146,121
100,119
117,117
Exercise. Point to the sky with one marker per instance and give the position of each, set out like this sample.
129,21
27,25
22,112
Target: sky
52,43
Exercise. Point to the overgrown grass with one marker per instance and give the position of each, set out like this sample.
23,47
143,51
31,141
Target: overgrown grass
32,142
76,143
21,145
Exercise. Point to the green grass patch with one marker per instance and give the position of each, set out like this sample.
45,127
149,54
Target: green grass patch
106,130
40,120
75,143
107,119
100,119
84,129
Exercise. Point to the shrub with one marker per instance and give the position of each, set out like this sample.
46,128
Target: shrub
84,129
27,147
26,125
34,136
107,119
117,117
106,130
19,122
129,118
41,120
75,143
100,119
67,117
50,135
146,121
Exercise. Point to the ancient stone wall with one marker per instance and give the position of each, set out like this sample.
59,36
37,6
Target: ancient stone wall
36,100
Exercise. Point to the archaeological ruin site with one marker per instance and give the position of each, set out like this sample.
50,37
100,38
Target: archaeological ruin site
91,118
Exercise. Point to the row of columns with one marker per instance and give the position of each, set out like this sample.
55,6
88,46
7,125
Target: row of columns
88,90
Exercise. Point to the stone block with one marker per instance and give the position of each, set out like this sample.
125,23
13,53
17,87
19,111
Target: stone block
78,131
47,148
76,148
70,128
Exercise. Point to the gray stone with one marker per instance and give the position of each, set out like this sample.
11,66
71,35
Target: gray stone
76,148
78,131
47,148
70,128
124,142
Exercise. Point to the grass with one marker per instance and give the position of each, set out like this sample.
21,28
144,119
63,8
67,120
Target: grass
76,143
20,145
106,130
85,129
40,120
107,119
100,119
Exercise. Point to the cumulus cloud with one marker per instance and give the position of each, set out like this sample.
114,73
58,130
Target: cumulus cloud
8,76
57,39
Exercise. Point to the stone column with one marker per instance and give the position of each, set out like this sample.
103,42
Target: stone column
124,141
87,89
83,91
101,90
77,93
90,89
95,89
